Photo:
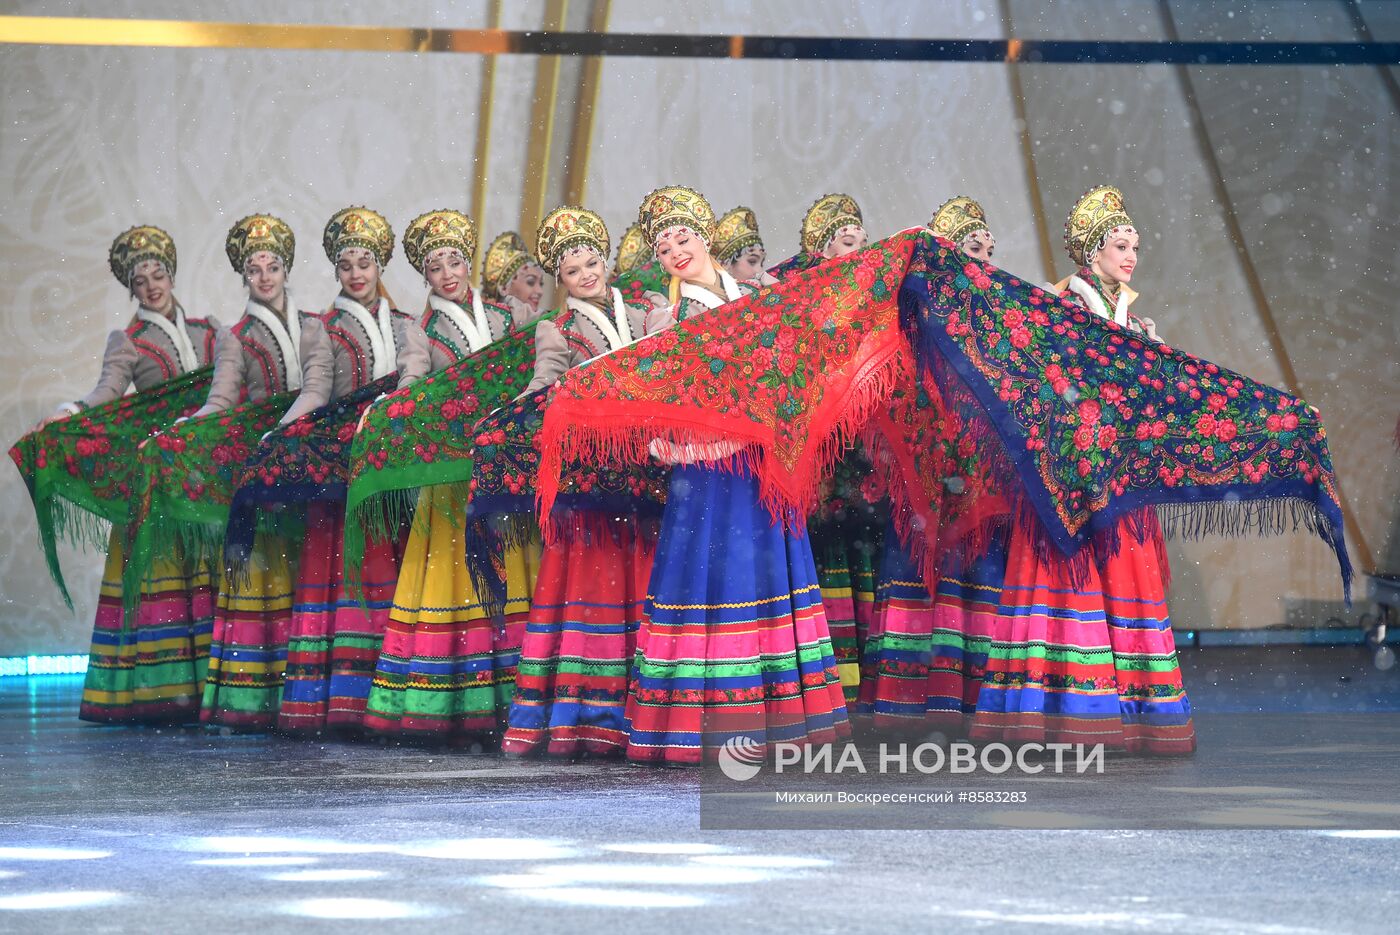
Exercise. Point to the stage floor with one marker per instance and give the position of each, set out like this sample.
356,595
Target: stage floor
114,829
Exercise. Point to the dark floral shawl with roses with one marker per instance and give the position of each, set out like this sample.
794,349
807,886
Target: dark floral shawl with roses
1037,409
79,470
1095,422
305,460
420,436
185,482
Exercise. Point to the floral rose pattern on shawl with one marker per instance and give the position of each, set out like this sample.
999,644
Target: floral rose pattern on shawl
507,464
1095,423
185,482
421,436
790,372
504,484
307,459
797,263
1076,420
79,471
946,500
649,277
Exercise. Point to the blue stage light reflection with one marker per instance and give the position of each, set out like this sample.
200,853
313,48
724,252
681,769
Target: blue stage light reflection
357,909
23,666
613,899
490,849
652,874
515,881
328,875
72,899
256,861
250,844
766,862
682,848
50,853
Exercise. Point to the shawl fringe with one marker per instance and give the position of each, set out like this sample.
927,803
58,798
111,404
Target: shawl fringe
622,439
62,520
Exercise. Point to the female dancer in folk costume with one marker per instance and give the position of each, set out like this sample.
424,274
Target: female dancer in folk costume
571,690
739,248
1087,656
334,642
735,643
1101,283
511,279
927,654
845,533
257,358
445,669
832,227
152,671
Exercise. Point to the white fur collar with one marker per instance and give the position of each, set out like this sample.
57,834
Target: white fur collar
707,298
174,331
617,332
379,327
1096,304
474,329
280,333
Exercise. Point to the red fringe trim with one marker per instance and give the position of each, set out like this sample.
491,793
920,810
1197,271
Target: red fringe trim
614,431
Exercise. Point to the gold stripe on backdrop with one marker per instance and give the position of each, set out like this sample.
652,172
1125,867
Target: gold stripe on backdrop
1018,100
82,30
483,134
1235,233
585,106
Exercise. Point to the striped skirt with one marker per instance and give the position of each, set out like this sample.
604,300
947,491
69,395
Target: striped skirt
575,665
846,575
1090,665
735,643
927,663
152,671
447,669
248,657
334,641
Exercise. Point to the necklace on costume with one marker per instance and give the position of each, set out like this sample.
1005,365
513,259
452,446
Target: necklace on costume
1109,295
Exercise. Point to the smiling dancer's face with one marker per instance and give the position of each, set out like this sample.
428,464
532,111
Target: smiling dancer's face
153,287
1118,258
447,273
582,272
358,274
682,253
266,277
528,285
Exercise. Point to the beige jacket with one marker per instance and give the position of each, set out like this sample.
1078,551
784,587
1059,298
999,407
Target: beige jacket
452,331
348,347
582,332
255,359
144,354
